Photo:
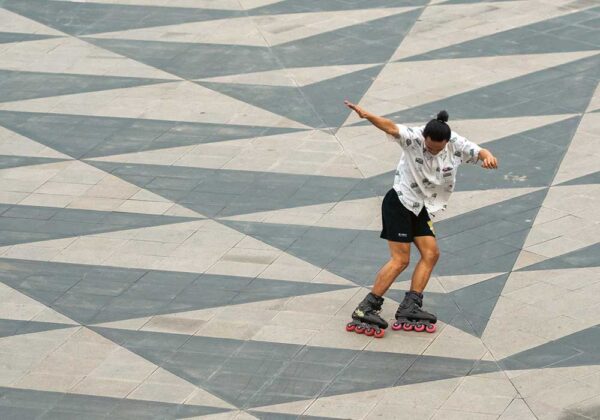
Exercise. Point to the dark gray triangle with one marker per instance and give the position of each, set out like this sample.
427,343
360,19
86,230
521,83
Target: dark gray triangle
355,255
369,42
6,37
19,85
306,6
491,236
318,105
28,404
8,161
527,159
593,178
477,302
229,192
97,294
78,18
106,136
193,60
11,327
581,258
577,349
568,33
254,374
22,224
564,89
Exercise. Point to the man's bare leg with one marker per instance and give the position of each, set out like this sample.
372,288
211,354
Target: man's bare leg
399,259
430,253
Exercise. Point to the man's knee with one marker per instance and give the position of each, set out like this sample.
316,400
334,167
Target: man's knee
399,263
431,255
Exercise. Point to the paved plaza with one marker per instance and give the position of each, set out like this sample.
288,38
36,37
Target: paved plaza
189,214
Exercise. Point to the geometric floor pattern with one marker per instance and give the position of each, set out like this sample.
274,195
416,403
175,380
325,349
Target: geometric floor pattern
189,214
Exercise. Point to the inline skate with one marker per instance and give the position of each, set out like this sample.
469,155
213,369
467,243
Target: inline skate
366,319
410,316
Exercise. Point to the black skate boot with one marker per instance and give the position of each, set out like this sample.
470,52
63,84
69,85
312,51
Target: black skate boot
366,319
410,316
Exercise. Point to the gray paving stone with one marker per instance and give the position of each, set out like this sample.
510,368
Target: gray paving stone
368,371
316,105
561,34
593,178
290,6
348,45
10,327
16,161
511,100
44,223
6,37
584,257
21,85
550,142
89,18
94,294
110,135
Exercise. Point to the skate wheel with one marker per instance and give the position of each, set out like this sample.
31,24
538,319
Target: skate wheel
419,328
379,334
396,326
369,331
350,327
407,327
359,329
431,328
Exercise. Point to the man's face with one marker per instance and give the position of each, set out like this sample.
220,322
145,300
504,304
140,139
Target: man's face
434,147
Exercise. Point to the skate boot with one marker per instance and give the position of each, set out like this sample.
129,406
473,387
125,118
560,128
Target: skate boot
410,316
366,319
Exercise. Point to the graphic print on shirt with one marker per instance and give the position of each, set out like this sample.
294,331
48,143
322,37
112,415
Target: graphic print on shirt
428,185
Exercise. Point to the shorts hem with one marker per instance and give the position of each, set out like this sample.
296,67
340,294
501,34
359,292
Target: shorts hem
399,240
425,234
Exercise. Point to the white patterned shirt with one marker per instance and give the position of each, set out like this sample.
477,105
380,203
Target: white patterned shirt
424,179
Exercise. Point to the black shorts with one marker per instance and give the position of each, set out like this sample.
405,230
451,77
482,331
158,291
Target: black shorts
401,224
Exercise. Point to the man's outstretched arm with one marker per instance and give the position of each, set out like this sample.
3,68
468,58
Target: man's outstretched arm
383,124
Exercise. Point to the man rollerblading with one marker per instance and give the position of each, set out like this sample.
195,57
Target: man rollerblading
424,180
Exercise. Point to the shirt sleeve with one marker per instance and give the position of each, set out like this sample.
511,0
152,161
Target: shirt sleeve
407,137
465,149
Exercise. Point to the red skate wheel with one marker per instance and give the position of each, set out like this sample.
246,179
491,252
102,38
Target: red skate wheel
359,329
407,327
419,328
369,331
350,327
431,328
396,326
379,334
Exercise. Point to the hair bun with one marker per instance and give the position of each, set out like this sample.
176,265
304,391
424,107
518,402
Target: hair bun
442,116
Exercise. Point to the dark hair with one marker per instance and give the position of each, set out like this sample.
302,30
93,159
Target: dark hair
438,129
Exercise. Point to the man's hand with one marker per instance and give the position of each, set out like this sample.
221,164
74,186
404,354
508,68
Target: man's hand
489,161
359,111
